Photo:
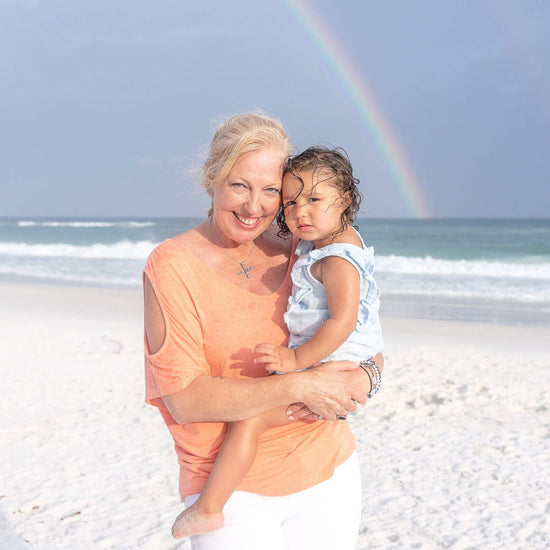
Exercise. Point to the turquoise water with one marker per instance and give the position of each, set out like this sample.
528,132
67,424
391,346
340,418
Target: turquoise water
486,265
506,240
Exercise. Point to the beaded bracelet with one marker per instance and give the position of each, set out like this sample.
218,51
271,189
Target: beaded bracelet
370,364
361,366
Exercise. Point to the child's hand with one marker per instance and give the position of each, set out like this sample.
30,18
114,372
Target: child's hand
276,358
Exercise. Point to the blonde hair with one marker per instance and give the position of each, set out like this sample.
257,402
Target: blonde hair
236,136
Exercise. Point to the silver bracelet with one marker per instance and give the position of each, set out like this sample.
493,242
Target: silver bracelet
367,371
370,364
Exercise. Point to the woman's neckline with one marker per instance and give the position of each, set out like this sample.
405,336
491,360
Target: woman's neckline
218,276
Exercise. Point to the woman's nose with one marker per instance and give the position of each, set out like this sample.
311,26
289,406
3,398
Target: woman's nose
253,204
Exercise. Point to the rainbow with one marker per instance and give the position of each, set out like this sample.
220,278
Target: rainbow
365,101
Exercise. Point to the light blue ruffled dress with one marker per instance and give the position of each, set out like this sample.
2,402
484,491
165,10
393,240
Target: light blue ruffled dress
308,306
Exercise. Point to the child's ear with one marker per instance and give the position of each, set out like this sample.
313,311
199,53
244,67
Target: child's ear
345,200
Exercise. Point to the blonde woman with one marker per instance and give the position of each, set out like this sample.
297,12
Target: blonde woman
211,294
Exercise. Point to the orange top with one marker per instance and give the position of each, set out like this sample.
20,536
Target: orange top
211,328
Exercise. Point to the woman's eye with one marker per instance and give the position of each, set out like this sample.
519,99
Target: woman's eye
273,190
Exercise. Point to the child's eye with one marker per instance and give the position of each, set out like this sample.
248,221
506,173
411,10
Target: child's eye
289,203
313,199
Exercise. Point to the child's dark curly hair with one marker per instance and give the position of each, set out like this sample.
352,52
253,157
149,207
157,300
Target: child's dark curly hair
333,164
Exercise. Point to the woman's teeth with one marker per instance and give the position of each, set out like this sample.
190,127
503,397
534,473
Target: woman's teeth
246,221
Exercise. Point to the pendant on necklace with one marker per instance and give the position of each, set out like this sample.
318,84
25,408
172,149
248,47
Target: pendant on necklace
245,270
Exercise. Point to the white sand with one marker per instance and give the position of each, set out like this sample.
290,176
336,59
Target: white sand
455,449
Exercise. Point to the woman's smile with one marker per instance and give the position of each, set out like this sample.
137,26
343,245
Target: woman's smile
249,222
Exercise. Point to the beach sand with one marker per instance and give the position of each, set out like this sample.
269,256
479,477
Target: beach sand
454,449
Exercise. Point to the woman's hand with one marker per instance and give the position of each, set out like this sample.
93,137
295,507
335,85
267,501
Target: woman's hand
350,387
299,411
331,389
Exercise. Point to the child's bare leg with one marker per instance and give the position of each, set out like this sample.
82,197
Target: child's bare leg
232,463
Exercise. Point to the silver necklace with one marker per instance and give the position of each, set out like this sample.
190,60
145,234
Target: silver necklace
244,270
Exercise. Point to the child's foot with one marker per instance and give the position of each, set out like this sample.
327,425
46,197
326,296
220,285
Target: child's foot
193,521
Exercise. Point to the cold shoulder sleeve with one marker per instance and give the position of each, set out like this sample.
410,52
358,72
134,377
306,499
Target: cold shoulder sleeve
181,357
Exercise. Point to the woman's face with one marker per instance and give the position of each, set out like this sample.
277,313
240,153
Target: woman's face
245,203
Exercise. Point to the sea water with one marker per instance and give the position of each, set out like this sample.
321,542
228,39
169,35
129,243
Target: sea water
487,270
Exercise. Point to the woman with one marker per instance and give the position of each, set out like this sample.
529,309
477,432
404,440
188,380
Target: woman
212,294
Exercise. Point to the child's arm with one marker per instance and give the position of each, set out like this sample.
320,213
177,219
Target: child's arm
342,285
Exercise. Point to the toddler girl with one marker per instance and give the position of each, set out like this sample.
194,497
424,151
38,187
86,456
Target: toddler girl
332,312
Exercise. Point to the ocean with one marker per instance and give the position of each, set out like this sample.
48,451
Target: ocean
483,270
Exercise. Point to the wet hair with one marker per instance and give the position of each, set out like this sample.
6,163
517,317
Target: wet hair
236,136
328,164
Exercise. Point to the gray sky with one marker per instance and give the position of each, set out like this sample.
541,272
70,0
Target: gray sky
105,105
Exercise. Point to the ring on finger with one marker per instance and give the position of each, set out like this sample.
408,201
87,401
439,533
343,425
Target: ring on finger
319,417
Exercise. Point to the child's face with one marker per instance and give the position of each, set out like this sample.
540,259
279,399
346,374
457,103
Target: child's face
313,212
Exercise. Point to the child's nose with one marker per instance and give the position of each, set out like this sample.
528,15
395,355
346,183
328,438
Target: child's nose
301,209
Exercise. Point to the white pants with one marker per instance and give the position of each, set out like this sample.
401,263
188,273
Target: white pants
323,517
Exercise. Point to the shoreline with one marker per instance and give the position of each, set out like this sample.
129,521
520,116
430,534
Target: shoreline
393,306
441,308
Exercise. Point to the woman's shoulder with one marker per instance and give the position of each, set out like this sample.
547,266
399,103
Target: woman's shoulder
171,250
278,243
165,251
274,247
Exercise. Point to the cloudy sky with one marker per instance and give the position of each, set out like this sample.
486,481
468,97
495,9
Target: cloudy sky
105,105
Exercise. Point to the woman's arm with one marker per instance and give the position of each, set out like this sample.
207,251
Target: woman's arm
358,378
212,399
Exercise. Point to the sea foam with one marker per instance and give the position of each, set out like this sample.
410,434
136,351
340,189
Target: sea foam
124,250
76,224
481,268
